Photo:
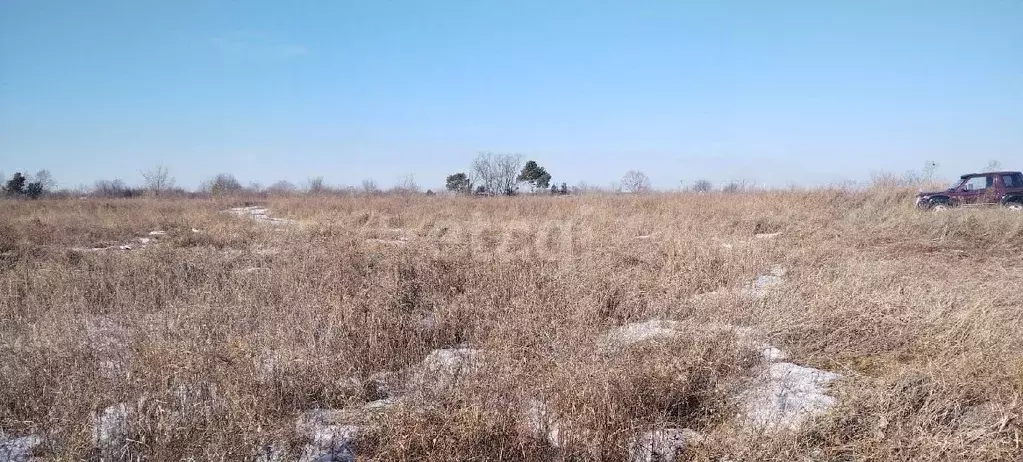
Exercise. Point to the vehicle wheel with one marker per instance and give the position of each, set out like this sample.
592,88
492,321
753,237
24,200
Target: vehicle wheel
940,207
1014,206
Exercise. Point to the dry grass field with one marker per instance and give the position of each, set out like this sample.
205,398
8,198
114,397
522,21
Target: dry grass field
210,340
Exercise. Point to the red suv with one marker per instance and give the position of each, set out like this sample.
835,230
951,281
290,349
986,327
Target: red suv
975,189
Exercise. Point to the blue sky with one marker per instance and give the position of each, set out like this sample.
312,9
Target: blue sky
778,92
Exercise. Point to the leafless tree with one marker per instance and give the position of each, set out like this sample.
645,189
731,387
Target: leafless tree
497,173
406,185
158,180
315,185
702,186
223,183
281,188
44,178
369,186
992,166
635,181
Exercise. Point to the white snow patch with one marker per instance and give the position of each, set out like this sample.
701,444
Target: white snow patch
110,427
764,282
260,214
443,367
630,334
329,440
768,235
18,449
543,423
784,395
395,242
157,233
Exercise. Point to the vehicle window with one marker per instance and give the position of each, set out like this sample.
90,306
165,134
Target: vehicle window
977,183
1012,181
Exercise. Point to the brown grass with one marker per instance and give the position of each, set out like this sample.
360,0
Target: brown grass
920,312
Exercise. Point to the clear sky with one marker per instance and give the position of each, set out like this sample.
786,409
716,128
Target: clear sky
776,91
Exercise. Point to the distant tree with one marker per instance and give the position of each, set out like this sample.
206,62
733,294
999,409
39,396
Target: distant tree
281,188
406,185
429,192
481,190
16,185
535,175
223,183
735,186
459,183
45,179
635,181
114,188
564,188
315,185
34,190
554,190
369,186
993,166
158,180
497,172
702,186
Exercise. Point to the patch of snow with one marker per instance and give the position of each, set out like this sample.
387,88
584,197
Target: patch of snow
329,441
381,404
157,233
784,395
630,334
194,230
542,422
144,240
771,354
18,449
397,242
443,367
428,323
110,427
260,214
124,247
762,283
768,235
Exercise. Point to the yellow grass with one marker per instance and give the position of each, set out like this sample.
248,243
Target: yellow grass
920,312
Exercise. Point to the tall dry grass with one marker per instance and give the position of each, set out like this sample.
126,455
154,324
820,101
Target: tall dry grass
920,313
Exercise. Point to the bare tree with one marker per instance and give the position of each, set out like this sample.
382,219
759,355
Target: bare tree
281,188
44,178
315,185
635,181
497,173
406,185
992,166
369,186
223,183
158,180
702,186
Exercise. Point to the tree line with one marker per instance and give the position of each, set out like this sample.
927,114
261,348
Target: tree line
489,174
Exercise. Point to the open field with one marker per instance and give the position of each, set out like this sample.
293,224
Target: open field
214,339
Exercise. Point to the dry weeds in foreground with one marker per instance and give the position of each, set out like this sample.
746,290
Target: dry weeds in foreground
219,339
